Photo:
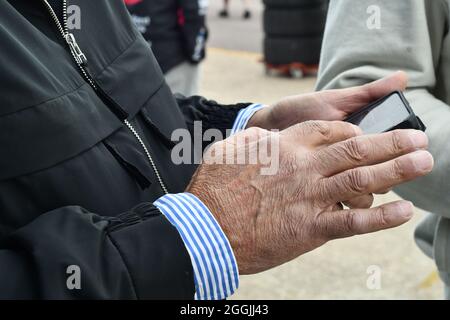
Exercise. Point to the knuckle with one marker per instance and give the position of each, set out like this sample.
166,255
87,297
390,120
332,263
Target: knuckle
398,142
353,130
398,170
315,161
322,228
319,193
324,159
324,130
349,222
356,150
321,128
347,129
250,135
358,180
381,220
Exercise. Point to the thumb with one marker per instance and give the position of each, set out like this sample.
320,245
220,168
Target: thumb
397,81
353,99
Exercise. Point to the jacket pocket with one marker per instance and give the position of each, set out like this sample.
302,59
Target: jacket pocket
162,115
127,152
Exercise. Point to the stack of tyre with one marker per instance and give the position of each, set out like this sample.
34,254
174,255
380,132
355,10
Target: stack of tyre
294,31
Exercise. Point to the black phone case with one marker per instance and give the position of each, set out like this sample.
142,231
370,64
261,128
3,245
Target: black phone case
412,122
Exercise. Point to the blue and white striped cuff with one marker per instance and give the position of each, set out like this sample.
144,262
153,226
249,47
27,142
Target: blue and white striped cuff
244,116
215,268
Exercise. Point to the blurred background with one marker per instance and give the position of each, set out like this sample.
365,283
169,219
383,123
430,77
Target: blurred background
234,71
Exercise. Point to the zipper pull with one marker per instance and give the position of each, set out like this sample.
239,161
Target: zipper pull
75,49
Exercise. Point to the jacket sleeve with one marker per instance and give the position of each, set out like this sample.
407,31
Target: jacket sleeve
211,114
70,253
192,16
355,54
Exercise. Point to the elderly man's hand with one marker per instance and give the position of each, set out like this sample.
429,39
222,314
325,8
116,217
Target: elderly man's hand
331,105
271,219
328,105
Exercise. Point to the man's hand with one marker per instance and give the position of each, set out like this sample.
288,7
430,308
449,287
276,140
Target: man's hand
331,105
328,105
270,220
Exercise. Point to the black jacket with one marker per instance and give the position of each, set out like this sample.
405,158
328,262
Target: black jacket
75,186
175,28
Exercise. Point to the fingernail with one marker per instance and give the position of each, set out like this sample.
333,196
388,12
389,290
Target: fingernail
418,138
423,161
405,209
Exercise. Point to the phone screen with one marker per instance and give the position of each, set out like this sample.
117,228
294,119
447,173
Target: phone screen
382,117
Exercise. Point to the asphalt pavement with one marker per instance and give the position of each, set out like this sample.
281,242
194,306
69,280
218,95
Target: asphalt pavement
235,33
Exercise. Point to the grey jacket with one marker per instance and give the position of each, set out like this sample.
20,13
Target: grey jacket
368,39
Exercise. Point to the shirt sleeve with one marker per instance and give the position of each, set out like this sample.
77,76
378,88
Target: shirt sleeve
215,268
244,116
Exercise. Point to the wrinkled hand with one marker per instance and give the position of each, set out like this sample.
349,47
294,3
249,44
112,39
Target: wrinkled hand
271,219
328,105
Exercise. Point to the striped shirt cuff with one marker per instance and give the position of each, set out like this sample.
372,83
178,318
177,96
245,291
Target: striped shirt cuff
244,116
215,268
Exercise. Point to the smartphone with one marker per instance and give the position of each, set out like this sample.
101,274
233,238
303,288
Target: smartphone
387,114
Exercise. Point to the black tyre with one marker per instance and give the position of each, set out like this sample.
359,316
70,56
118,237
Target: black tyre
295,22
281,51
294,3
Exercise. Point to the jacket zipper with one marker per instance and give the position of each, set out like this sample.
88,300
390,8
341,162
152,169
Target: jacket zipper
81,61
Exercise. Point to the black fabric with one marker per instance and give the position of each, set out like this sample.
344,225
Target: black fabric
71,171
176,29
58,7
211,114
118,264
